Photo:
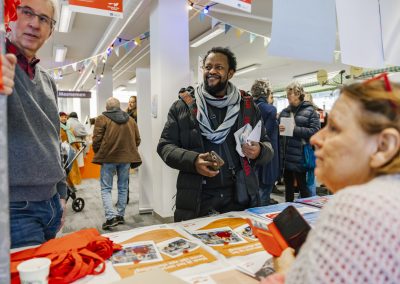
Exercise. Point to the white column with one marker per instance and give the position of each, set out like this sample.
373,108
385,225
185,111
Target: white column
146,173
85,109
169,62
104,90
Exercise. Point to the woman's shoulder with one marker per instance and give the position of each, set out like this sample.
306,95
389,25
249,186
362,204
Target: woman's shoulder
372,200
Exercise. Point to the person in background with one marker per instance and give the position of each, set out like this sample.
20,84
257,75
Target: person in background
67,135
185,141
323,115
80,133
37,188
77,127
356,238
310,177
115,144
269,173
132,107
307,123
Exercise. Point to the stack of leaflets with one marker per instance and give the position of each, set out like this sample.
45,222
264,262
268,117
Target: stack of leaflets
317,201
268,213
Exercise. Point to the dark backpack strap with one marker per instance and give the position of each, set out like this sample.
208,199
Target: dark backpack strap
189,100
247,114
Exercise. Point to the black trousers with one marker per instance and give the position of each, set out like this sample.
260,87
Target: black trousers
218,200
290,177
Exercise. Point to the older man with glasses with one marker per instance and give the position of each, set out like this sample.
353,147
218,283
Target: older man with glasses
37,179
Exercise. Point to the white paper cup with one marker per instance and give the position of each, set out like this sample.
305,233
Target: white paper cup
34,271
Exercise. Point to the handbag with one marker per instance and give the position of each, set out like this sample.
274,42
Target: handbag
309,157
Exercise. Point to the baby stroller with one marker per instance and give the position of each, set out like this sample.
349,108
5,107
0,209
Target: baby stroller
69,155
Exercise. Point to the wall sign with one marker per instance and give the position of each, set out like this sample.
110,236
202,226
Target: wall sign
74,94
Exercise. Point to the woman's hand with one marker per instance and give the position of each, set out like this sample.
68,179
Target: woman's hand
284,262
275,278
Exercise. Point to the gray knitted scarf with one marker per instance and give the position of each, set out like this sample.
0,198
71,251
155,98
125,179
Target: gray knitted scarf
231,100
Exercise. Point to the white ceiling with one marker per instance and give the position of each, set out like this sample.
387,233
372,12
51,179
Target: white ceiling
91,35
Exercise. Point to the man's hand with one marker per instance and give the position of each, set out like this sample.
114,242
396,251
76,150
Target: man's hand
281,127
202,166
251,151
63,203
8,70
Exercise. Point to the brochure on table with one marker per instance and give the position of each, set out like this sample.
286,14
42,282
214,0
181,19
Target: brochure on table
317,201
268,213
164,247
230,235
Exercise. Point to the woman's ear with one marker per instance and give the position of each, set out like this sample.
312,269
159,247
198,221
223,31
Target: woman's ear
388,147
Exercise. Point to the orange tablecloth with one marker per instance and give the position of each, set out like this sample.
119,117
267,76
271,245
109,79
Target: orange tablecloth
90,170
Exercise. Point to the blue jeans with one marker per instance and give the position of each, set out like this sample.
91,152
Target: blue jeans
265,192
34,222
106,182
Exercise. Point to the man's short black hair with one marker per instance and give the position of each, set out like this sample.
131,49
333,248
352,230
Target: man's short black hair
227,52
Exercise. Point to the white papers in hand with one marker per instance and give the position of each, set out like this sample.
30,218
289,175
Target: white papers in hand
255,134
289,124
246,134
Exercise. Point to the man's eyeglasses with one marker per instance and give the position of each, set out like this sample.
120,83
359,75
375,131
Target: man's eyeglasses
28,14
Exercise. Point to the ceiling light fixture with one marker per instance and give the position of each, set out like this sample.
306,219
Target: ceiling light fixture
59,51
120,88
66,18
210,34
132,80
246,69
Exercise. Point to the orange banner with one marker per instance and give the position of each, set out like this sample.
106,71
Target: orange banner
111,8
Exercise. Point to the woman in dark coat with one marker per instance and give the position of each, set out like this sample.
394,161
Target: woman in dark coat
267,174
307,123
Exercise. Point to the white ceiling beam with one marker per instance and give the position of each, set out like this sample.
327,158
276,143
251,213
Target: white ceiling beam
240,14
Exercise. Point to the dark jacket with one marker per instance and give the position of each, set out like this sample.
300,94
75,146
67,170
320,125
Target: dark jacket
291,148
115,138
180,144
269,173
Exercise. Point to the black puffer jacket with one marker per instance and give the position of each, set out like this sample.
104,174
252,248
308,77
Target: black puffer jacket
180,144
291,148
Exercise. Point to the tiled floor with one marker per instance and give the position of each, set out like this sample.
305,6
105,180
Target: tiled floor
92,216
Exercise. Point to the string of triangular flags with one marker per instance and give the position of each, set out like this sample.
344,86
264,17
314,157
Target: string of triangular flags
102,57
204,12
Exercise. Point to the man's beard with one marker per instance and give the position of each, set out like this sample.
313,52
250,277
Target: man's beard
213,90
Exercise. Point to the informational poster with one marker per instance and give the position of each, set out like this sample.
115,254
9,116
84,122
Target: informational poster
244,5
390,21
111,8
360,34
303,30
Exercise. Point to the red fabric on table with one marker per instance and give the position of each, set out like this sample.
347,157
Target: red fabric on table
72,256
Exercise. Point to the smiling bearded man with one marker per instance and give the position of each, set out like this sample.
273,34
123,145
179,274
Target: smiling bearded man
186,141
